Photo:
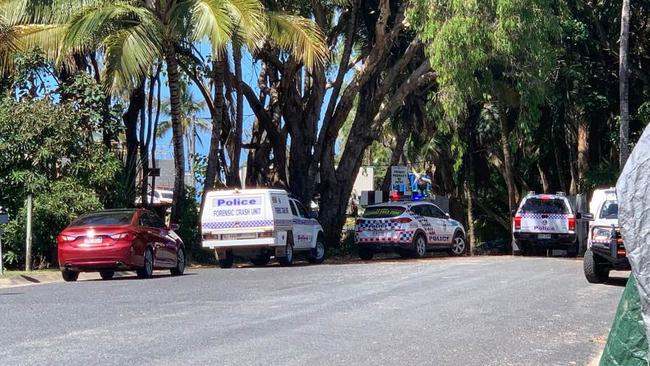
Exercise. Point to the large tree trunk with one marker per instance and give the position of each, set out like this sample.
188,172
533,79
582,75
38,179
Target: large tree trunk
236,138
217,121
623,84
130,118
583,151
507,160
173,78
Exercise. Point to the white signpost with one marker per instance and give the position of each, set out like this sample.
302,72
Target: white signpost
399,180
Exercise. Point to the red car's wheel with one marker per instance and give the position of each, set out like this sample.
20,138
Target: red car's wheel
147,268
180,263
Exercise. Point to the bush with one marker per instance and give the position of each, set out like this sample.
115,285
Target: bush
190,231
52,212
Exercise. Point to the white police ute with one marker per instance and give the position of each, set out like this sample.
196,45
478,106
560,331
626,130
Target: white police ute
545,221
411,228
258,224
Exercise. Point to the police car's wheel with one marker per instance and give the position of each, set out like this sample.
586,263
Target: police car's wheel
458,246
287,260
317,254
366,253
420,246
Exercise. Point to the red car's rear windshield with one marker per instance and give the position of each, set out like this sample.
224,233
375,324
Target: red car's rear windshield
383,212
545,206
104,218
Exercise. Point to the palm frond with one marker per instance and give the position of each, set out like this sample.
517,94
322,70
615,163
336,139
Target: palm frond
92,24
301,36
212,19
249,20
129,54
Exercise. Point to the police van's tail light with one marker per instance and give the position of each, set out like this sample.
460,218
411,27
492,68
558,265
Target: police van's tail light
210,236
572,223
265,234
517,222
403,220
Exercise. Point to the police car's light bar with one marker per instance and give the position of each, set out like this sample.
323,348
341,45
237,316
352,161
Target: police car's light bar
560,194
531,193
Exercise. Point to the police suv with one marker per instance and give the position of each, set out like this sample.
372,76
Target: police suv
605,249
258,224
545,221
410,228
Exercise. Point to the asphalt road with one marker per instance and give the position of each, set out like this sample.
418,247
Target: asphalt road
462,311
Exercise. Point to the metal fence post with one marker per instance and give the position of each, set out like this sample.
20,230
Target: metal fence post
28,236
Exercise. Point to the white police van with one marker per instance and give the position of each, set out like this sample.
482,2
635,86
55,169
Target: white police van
411,228
545,221
258,224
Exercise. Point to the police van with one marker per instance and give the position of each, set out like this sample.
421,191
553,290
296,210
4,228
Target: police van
545,221
258,224
411,228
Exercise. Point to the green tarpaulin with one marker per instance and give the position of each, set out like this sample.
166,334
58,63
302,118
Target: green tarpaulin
627,344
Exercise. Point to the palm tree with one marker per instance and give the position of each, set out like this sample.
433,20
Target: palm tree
134,34
190,124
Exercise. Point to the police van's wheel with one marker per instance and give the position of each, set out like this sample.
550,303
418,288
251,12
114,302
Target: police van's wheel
287,260
69,276
458,245
261,259
226,260
419,246
594,272
317,254
107,275
366,253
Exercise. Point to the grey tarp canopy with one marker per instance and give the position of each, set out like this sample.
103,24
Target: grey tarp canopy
633,191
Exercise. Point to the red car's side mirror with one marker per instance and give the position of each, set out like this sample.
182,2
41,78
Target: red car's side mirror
174,227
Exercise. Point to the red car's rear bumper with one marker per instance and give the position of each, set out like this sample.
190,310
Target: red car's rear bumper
119,255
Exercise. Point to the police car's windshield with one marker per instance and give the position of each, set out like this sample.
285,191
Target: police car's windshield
545,206
383,212
609,210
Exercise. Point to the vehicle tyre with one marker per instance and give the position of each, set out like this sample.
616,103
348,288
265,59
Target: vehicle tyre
287,260
107,275
404,253
261,259
594,272
419,246
69,276
366,253
147,267
317,254
458,245
179,269
227,260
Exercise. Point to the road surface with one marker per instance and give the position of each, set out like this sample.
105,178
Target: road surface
436,311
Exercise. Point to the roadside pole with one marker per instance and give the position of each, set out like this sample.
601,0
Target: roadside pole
28,236
4,218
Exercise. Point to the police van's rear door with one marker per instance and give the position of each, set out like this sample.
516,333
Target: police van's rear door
545,214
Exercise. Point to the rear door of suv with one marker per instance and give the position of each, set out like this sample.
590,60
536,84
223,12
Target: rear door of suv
545,214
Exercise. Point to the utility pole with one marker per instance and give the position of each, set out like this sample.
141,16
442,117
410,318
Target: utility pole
28,236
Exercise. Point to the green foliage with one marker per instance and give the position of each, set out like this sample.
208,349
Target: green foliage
53,210
189,229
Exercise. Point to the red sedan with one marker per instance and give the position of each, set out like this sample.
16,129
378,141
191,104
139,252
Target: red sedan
119,240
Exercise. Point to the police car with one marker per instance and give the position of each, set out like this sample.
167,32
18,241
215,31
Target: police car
545,221
605,249
409,228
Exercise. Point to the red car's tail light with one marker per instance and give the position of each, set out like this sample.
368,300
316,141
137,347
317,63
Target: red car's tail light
67,238
517,221
572,223
123,236
210,236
